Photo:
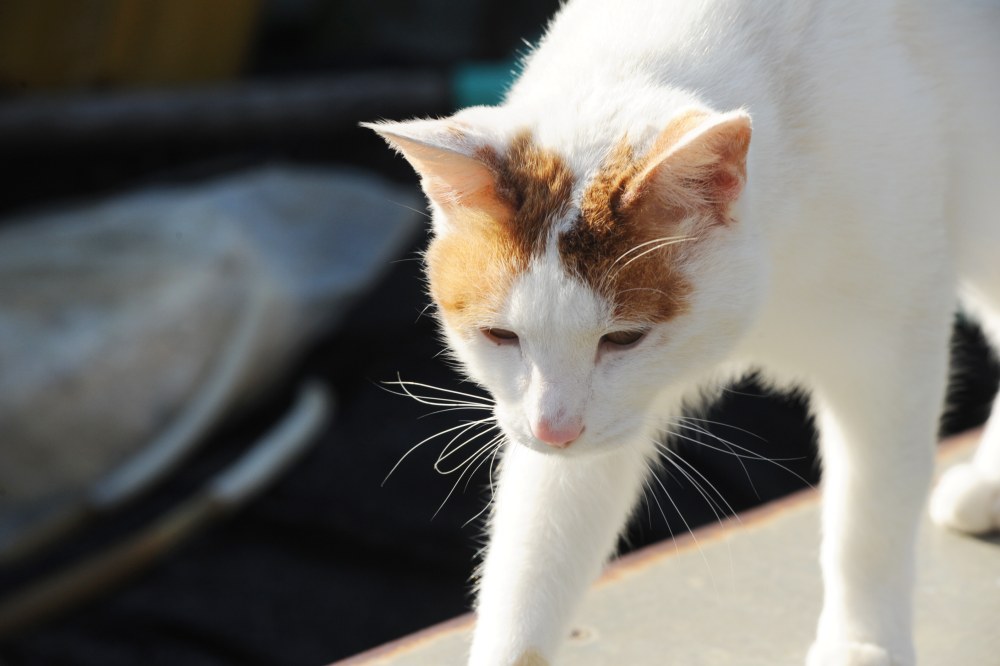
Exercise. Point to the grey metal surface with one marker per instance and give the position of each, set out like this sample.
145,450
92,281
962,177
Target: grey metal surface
135,323
747,593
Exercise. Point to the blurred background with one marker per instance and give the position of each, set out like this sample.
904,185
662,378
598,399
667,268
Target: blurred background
208,275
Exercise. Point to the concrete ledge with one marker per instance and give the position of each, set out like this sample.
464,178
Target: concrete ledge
746,592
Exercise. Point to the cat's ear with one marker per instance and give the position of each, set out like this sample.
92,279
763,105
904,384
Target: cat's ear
454,164
697,163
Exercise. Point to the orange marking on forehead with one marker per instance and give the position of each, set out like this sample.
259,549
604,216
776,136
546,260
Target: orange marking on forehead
472,268
536,184
624,251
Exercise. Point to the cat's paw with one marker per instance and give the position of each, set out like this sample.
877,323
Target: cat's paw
966,500
849,653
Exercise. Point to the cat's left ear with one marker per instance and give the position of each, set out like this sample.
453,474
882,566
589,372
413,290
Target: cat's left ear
453,162
698,163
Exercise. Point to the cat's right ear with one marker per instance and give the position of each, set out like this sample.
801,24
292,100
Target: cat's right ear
456,167
698,163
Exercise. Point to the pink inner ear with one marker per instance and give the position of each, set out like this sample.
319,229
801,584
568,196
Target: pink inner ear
703,167
456,179
452,174
727,186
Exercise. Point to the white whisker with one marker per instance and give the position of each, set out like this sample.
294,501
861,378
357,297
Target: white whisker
405,384
750,454
663,239
470,462
411,208
724,425
687,526
728,444
456,407
489,446
416,446
673,457
658,243
498,443
652,492
445,453
654,249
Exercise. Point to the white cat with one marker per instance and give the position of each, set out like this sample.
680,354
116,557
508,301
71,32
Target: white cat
609,241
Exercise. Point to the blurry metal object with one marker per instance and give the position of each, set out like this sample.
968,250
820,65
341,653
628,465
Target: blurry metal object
244,479
217,113
150,317
204,410
40,528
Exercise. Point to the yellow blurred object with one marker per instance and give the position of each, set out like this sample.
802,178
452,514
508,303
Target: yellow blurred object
48,44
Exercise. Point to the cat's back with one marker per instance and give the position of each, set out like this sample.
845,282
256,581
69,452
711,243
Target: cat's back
958,45
872,118
827,83
797,53
794,63
676,41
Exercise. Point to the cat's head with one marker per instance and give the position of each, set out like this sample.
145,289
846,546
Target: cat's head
581,290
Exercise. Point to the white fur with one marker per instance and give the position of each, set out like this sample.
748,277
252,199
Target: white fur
870,202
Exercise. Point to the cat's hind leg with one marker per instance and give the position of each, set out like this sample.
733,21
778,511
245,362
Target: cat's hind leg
967,498
878,386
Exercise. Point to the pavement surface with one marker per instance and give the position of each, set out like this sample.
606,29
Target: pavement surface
758,578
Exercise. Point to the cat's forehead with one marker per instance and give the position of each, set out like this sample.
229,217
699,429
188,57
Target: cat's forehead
550,213
547,303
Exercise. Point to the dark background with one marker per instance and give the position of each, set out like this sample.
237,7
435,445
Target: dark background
329,562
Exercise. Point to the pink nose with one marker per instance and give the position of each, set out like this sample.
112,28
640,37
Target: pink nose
558,435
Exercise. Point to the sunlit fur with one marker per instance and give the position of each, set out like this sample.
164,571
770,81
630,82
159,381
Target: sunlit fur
831,255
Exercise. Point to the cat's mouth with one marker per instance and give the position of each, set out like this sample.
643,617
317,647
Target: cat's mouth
568,450
584,445
594,440
524,437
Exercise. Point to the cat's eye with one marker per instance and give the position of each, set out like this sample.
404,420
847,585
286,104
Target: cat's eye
500,335
625,338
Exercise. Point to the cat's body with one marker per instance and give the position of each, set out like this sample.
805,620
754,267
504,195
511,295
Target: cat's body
607,248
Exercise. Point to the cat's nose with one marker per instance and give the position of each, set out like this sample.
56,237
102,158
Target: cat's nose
559,435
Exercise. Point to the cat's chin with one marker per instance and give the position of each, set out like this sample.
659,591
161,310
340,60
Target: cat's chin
582,449
592,443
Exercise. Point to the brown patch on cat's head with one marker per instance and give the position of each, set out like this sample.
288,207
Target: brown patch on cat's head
626,243
531,658
470,271
472,268
614,247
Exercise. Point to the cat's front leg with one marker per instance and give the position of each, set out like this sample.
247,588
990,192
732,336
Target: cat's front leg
555,522
877,412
